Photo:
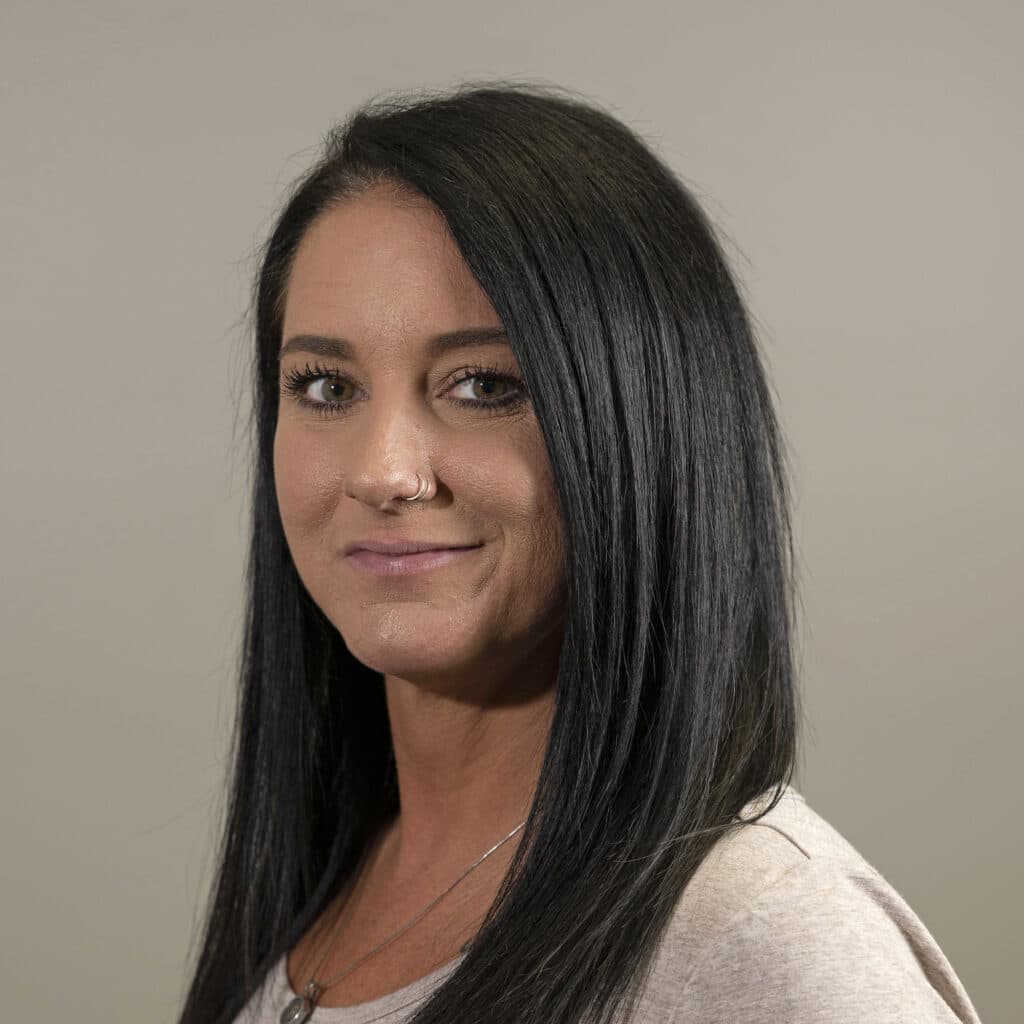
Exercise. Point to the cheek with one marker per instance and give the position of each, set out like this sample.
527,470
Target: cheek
307,485
536,551
545,536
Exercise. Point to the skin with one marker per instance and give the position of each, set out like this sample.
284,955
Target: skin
469,651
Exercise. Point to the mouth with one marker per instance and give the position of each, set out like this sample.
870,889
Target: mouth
378,564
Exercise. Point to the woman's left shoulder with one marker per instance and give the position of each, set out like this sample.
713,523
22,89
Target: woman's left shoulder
828,939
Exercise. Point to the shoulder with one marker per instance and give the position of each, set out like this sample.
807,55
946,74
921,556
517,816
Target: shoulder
785,920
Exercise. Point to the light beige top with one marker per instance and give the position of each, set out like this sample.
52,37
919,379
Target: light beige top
784,921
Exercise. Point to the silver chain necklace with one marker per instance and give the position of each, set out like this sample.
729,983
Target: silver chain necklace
301,1008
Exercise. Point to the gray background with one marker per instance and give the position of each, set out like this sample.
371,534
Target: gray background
865,159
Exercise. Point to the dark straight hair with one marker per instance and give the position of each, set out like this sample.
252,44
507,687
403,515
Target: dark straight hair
675,696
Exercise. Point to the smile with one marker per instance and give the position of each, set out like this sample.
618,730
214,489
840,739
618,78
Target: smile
398,565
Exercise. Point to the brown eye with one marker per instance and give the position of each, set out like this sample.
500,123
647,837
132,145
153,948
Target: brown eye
326,389
322,390
490,388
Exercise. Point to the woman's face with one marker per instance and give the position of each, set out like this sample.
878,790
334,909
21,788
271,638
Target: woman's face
384,277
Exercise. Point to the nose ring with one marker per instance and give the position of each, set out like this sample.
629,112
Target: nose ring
424,486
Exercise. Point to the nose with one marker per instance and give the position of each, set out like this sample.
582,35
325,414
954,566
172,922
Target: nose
386,454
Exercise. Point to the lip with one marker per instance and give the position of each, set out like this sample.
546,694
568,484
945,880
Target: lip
400,546
381,564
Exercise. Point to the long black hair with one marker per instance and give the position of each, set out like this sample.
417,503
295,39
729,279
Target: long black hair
675,697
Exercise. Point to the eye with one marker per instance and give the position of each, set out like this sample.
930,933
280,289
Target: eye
509,388
299,384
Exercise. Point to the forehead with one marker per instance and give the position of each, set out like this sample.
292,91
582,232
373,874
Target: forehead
379,266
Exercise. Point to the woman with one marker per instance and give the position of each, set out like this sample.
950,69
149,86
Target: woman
540,770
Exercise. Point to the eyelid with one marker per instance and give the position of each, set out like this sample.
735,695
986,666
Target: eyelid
316,371
296,382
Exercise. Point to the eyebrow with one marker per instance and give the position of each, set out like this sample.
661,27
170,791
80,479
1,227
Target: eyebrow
339,348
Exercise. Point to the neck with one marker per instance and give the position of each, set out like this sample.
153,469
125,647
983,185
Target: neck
467,773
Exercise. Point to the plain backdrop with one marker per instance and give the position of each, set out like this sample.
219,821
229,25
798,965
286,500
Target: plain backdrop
864,161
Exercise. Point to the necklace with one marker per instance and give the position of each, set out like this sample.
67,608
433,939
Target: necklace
301,1008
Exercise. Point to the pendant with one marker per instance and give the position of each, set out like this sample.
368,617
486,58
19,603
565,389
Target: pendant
300,1009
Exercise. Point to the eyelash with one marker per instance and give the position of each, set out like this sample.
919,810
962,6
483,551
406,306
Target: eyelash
295,382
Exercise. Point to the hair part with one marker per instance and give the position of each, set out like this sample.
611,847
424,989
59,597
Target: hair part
675,700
